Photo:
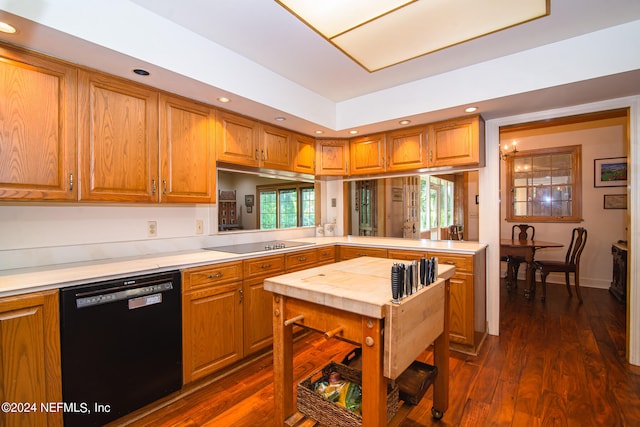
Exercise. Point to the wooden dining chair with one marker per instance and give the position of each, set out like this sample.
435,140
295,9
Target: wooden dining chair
524,232
571,263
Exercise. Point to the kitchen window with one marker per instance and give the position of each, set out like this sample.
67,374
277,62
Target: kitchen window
286,206
544,185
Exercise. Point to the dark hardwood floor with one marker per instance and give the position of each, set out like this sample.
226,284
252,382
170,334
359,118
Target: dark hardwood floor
557,363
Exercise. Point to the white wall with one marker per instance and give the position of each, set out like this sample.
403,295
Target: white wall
601,139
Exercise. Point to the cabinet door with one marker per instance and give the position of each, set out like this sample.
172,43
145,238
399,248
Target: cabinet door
258,316
332,157
187,152
303,149
118,139
211,329
275,148
237,140
367,154
461,309
30,362
407,149
457,142
37,128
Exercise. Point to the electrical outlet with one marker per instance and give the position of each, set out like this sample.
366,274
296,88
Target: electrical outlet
152,229
199,226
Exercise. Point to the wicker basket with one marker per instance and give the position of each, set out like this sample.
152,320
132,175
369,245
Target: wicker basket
330,414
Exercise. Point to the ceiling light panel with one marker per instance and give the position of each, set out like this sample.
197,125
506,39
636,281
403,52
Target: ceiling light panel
333,17
376,38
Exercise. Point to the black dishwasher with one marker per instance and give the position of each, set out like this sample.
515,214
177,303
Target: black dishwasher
121,346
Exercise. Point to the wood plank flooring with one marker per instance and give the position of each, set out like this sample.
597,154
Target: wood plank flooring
557,363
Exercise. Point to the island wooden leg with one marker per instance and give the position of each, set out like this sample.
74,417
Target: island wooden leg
374,385
441,360
282,363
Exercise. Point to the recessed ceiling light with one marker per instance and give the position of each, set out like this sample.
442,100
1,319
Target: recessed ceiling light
6,28
224,99
404,122
471,109
141,72
353,132
280,119
319,132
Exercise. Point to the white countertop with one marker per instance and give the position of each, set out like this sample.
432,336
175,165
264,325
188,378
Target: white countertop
18,281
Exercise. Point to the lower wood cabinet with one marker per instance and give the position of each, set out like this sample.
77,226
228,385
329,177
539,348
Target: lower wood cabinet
467,306
212,318
30,357
349,252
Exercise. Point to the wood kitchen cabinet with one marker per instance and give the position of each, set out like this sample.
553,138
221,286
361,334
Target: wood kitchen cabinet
37,128
30,362
303,153
237,139
275,148
187,151
457,142
118,139
326,255
407,149
258,316
300,260
212,330
332,157
467,307
348,252
367,154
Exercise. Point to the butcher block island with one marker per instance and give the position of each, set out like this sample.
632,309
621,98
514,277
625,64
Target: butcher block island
351,300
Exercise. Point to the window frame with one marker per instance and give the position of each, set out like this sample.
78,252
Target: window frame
576,184
299,187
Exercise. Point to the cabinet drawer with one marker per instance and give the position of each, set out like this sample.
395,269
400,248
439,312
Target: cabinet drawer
407,255
300,260
326,255
349,252
264,266
463,263
209,275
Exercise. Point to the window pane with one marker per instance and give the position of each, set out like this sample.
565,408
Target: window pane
268,210
288,208
308,207
541,201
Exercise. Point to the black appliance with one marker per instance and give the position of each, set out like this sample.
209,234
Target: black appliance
121,346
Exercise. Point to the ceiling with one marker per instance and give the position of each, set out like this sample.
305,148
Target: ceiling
304,67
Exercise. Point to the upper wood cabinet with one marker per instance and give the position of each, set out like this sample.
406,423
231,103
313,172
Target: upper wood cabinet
30,362
303,153
118,139
332,157
187,151
407,149
275,148
457,142
37,128
237,139
367,154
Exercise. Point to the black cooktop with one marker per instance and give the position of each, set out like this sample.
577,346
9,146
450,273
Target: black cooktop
245,248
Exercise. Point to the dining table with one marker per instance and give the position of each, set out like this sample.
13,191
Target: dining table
527,250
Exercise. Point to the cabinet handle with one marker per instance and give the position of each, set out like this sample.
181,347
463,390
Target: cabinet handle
257,158
164,187
431,156
214,276
363,255
71,181
302,258
263,266
264,157
153,186
450,262
241,295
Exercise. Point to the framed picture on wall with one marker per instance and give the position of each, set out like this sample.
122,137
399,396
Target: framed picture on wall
615,201
610,172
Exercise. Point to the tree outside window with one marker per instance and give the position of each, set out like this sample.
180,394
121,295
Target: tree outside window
286,206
